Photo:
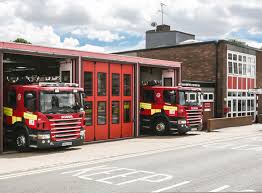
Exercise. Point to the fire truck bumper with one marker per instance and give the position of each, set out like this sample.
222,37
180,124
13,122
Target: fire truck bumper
180,128
42,141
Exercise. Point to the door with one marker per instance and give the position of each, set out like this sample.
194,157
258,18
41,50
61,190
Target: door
115,101
127,100
89,101
101,101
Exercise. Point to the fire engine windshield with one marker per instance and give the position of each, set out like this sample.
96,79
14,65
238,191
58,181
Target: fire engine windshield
61,102
189,98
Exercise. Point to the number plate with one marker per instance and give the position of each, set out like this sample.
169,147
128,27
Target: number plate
67,143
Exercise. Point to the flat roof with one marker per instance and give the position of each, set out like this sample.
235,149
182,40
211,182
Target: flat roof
37,49
189,44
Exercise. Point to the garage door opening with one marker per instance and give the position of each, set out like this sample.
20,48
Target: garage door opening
20,69
153,76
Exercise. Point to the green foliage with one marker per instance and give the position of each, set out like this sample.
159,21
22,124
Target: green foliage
238,42
21,40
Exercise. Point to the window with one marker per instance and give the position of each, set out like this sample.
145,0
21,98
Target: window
88,106
235,57
170,96
88,83
230,68
230,56
115,84
127,111
244,69
11,99
168,82
127,85
244,59
229,105
101,113
235,68
115,112
65,76
30,101
240,68
240,58
101,84
148,96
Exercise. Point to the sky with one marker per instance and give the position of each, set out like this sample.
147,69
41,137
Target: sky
114,25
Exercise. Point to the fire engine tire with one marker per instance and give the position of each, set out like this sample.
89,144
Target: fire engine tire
21,141
160,126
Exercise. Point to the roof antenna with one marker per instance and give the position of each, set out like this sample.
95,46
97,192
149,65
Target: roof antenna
162,11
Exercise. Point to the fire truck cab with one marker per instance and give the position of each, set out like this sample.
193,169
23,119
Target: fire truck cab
43,115
164,109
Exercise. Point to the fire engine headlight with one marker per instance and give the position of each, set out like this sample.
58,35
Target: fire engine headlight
181,122
43,136
82,133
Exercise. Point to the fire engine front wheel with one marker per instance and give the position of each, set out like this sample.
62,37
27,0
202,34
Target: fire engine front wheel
21,141
160,127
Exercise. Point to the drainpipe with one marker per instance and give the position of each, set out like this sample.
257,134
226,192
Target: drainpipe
1,104
216,85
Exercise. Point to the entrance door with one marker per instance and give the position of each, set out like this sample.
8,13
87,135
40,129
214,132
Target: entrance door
115,101
127,98
101,101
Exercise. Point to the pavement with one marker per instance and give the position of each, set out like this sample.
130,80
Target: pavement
224,160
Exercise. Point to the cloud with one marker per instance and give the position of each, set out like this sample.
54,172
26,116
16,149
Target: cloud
111,25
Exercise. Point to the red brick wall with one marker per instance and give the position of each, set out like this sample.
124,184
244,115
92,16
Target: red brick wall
192,57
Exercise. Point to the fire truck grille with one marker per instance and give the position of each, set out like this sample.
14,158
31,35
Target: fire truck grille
194,117
65,129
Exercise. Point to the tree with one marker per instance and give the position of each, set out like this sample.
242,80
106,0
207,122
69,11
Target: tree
238,42
21,40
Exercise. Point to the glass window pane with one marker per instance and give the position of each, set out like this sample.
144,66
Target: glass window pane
115,84
88,83
234,105
148,96
115,112
244,69
30,101
235,68
240,58
244,58
235,57
170,96
230,67
230,56
65,76
229,105
127,85
240,68
88,106
101,113
101,84
11,99
127,111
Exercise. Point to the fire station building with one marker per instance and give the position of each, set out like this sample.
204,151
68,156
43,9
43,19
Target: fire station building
111,83
225,71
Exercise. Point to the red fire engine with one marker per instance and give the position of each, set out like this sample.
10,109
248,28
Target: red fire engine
43,115
164,109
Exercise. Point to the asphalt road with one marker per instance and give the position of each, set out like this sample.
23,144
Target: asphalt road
230,165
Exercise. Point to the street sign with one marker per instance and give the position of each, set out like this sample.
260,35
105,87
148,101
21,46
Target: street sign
255,91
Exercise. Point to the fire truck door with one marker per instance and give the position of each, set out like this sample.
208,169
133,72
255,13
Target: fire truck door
115,101
127,100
